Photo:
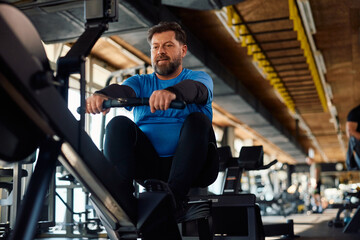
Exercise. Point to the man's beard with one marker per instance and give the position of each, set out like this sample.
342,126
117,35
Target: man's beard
167,69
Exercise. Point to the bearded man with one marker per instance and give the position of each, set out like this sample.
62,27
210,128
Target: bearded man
162,143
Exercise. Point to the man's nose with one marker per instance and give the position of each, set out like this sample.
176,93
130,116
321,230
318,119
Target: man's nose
161,49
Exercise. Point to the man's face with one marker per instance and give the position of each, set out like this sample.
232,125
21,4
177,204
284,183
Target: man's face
166,53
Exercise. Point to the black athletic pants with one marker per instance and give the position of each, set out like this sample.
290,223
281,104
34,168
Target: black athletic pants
193,164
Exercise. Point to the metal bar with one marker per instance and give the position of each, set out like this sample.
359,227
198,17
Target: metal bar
82,98
30,208
262,21
16,193
267,32
69,218
51,203
274,41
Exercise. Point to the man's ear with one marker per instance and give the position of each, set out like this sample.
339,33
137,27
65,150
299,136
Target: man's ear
183,50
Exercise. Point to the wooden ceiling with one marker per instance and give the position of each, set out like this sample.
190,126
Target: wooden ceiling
336,37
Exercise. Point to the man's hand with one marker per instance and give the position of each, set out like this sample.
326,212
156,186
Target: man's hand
94,104
160,100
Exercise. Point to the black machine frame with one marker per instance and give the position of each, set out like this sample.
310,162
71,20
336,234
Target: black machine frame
33,91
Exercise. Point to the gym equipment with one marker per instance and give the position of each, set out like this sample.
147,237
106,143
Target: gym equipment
236,215
11,182
37,115
10,179
350,224
86,226
120,76
284,203
133,102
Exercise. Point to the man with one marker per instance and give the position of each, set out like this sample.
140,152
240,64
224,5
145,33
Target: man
353,133
166,144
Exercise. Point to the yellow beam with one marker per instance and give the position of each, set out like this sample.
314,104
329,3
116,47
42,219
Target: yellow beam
259,57
304,43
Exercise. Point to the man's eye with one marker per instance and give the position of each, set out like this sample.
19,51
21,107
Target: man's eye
155,47
168,45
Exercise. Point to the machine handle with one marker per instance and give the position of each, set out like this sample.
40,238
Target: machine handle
132,102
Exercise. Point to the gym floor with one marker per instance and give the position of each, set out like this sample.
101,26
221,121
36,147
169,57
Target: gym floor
307,227
313,226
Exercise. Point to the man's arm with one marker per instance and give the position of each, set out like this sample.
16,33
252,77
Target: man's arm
190,91
94,103
351,130
117,91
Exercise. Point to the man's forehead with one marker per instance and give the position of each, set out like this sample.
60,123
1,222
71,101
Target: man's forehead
163,37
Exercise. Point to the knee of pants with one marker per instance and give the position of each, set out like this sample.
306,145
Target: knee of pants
197,119
119,124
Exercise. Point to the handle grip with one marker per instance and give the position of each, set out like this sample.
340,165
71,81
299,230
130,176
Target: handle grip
132,102
177,104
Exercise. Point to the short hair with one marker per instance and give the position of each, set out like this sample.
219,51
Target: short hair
180,34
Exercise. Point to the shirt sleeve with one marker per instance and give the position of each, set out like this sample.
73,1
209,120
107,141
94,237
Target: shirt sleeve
117,91
134,83
203,78
190,91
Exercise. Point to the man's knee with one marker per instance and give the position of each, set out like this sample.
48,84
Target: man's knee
119,124
196,120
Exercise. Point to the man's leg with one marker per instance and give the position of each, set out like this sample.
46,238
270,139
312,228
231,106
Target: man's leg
131,152
128,148
191,154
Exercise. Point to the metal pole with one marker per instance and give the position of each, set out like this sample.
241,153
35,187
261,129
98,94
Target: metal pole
31,206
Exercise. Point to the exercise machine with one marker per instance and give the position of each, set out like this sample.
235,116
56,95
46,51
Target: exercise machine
236,215
38,117
348,222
